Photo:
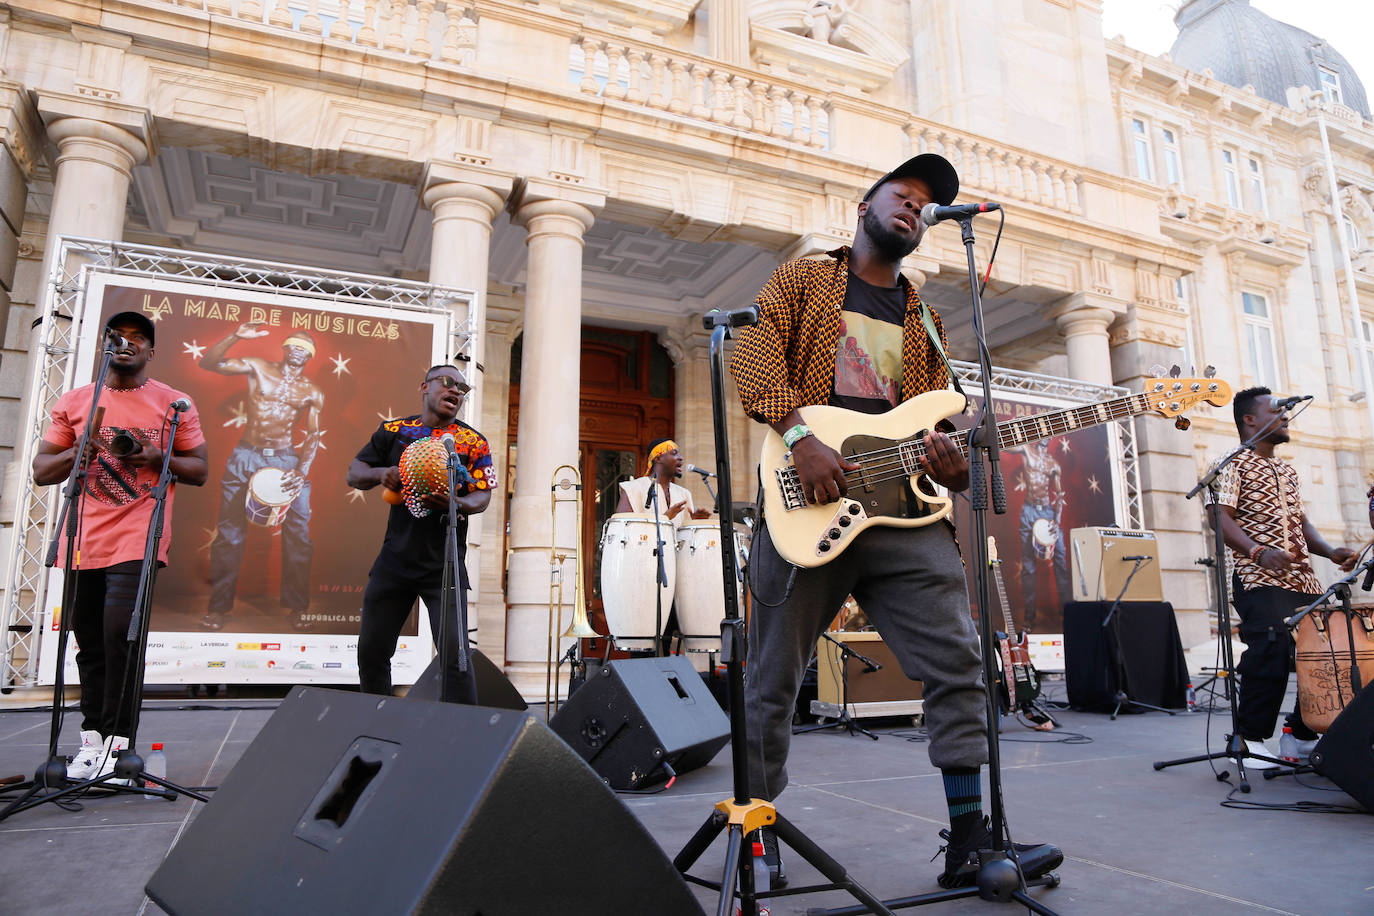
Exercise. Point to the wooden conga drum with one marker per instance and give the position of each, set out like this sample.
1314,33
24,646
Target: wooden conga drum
1324,638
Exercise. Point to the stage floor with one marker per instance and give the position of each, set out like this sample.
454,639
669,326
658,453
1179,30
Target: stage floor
1136,841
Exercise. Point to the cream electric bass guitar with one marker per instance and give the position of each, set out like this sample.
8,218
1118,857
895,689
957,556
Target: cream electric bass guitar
888,447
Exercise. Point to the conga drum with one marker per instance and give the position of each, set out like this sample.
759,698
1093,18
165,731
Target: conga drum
1324,640
629,573
700,591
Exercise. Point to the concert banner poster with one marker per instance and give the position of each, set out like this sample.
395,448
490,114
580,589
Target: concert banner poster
264,557
1066,481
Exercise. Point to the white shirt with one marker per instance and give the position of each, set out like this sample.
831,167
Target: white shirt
637,491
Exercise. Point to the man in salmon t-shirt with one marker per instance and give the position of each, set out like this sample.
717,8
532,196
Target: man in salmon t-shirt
123,460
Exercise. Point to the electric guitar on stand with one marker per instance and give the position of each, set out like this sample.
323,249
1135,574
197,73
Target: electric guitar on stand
888,447
1020,680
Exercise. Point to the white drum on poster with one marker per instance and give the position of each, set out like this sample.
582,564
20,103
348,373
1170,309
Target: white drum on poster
628,573
700,592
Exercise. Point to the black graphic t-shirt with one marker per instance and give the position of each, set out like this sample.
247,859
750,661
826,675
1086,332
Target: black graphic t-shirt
868,353
415,546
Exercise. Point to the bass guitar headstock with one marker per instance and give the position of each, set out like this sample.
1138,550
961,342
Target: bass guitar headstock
1172,396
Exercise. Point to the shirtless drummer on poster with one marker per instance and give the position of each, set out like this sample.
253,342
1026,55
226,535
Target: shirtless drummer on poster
280,398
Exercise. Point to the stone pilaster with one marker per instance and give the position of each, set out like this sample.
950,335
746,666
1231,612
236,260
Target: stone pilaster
1083,319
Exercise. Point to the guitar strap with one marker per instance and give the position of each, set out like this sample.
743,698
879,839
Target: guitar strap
934,336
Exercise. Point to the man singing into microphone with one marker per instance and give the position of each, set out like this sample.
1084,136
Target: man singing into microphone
674,501
124,459
850,331
411,562
1264,523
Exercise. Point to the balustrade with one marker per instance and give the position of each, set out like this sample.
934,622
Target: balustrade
998,171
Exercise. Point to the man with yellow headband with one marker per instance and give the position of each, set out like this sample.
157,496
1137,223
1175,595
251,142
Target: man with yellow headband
280,398
674,501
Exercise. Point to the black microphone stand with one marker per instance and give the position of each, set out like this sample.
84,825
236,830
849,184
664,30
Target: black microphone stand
661,571
1112,621
52,773
449,605
844,720
740,814
129,766
1236,748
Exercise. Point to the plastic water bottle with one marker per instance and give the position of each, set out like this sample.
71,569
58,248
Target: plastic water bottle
155,765
1288,746
1192,698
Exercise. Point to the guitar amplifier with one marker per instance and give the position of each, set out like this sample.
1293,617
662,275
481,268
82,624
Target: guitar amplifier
885,692
1100,568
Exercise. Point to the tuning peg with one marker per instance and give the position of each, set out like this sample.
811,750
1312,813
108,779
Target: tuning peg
1182,423
1156,370
1175,371
1209,372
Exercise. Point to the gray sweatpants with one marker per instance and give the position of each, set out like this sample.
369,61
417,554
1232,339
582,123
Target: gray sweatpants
910,583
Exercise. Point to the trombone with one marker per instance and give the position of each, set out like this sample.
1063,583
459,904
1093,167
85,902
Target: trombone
565,478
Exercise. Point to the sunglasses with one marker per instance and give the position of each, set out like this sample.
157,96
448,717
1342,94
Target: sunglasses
448,381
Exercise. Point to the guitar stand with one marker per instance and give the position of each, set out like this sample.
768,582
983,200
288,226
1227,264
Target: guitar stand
844,720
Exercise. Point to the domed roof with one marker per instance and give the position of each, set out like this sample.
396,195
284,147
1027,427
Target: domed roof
1244,47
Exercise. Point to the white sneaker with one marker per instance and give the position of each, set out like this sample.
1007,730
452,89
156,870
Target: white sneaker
1259,747
108,758
84,764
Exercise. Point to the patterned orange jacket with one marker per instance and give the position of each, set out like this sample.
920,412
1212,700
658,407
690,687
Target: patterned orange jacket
787,360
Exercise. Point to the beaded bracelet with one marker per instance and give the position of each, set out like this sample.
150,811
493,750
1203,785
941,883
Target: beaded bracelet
1257,552
796,434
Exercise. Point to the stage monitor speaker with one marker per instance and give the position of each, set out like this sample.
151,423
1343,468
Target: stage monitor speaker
1345,754
348,803
639,713
1099,572
493,687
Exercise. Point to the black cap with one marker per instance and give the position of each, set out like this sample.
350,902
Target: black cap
137,319
931,168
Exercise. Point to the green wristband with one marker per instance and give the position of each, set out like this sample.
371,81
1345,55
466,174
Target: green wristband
796,434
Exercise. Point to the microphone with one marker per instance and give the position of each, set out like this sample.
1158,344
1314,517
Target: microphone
1136,559
934,213
702,471
1289,403
181,405
1368,576
649,499
116,342
736,318
449,444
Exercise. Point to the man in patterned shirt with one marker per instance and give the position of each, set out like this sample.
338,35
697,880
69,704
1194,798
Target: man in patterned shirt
851,332
411,562
1263,521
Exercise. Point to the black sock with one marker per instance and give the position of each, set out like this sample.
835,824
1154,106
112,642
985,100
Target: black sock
964,795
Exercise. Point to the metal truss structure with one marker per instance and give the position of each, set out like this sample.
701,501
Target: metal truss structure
1070,389
63,308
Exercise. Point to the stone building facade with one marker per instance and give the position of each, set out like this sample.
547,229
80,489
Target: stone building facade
602,167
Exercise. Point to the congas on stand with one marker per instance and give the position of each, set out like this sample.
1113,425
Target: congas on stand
628,573
266,501
1324,640
700,591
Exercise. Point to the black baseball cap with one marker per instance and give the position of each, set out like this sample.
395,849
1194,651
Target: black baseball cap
137,319
931,168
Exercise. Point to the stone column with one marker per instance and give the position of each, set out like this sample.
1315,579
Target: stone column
1084,321
547,433
95,162
463,212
